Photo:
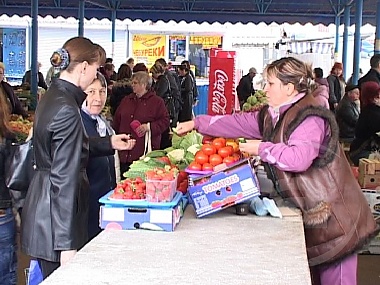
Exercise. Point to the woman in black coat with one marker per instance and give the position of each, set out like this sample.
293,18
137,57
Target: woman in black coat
55,213
100,169
187,94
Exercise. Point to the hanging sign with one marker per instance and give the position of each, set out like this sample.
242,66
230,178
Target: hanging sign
148,48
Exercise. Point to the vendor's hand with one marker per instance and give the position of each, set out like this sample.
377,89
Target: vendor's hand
141,130
251,147
122,142
67,255
183,128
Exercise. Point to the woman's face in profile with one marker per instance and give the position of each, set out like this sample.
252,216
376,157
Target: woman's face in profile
96,97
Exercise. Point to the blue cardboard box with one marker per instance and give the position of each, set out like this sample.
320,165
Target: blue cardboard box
141,214
216,191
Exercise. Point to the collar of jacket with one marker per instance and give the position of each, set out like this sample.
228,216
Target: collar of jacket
147,95
76,92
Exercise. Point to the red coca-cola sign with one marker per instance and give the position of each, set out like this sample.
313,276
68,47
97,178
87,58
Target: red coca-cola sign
221,91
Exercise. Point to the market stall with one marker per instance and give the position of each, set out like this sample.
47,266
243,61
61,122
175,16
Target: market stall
221,249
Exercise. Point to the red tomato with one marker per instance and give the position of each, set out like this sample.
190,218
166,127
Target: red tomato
229,159
208,149
219,143
207,140
207,167
226,151
201,157
215,159
195,166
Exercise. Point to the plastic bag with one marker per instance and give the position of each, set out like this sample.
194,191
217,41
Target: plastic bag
33,273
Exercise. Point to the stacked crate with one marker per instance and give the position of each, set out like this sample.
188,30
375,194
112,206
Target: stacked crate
369,173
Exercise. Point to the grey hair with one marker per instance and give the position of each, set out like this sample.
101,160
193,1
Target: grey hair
143,78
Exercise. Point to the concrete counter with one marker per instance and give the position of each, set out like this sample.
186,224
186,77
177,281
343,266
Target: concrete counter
221,249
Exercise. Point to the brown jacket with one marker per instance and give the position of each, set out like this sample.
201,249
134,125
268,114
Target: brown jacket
336,215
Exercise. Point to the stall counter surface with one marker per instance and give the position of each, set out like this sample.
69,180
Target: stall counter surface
220,249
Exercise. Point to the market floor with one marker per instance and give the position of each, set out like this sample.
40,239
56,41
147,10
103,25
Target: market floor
368,269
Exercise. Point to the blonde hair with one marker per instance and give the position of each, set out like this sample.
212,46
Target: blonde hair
291,70
2,65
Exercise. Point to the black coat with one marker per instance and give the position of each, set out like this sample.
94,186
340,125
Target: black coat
372,75
101,176
245,88
120,89
41,80
347,115
13,100
55,212
335,90
5,152
187,95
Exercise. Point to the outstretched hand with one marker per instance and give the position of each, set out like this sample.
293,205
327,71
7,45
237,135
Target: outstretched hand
122,142
251,147
183,128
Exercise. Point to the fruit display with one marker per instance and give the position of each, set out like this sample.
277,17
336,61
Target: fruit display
20,127
131,188
255,102
219,151
161,184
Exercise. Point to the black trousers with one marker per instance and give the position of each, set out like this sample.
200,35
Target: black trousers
47,267
165,139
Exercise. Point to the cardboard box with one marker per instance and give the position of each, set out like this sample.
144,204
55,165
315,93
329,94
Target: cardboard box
141,214
369,173
214,192
373,198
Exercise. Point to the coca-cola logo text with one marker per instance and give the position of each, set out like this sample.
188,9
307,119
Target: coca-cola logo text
219,100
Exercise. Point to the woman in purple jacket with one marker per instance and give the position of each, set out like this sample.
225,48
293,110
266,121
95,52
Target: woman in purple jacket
297,140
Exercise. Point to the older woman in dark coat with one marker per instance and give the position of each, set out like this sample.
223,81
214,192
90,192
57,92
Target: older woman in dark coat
149,110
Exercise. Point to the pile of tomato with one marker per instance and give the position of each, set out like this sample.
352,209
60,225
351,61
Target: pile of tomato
215,152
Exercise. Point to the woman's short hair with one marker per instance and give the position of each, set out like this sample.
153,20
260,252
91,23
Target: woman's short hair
369,91
124,72
143,78
2,65
291,70
80,49
140,67
183,67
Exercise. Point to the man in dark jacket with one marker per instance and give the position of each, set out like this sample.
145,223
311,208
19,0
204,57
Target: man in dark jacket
245,87
27,81
374,73
347,113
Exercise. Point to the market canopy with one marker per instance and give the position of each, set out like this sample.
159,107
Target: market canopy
244,11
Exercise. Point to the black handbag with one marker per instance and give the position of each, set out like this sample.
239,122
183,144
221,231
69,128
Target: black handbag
21,166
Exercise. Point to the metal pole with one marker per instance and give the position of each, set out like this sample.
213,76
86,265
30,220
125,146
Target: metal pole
113,32
34,55
337,24
377,35
81,19
357,40
345,40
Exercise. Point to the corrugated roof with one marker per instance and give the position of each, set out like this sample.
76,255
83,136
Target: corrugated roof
279,11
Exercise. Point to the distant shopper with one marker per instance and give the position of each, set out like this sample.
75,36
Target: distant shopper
336,85
140,67
121,88
27,81
131,62
321,88
349,81
374,73
245,87
367,128
195,93
347,113
10,98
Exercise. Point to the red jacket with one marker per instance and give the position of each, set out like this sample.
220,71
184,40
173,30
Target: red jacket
150,108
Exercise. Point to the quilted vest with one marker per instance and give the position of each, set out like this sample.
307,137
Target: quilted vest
336,215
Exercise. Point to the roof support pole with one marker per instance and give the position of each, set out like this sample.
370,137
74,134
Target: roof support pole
345,40
34,50
377,35
336,50
81,19
113,32
357,39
